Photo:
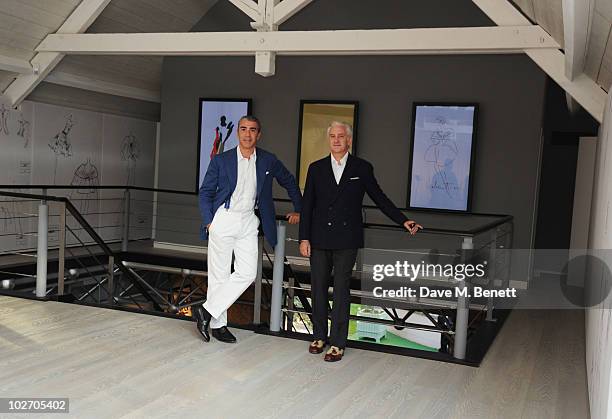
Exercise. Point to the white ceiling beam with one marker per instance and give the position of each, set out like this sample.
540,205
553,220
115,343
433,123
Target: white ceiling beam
80,19
577,18
248,7
268,8
492,40
85,83
266,13
552,61
287,8
15,65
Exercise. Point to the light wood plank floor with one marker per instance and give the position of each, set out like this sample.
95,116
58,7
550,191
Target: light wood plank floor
114,364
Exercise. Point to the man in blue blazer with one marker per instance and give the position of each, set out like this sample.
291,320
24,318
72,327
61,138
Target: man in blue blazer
236,183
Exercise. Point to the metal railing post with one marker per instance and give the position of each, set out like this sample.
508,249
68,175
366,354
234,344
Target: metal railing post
492,275
61,248
463,305
126,221
41,255
277,278
111,277
257,296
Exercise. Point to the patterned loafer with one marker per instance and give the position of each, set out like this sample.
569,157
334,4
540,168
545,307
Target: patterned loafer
334,354
316,347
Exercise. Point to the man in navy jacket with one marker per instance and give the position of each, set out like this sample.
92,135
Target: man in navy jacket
236,183
331,232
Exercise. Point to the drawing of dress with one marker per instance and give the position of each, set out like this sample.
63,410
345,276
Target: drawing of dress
130,153
23,131
441,154
86,177
60,144
4,114
445,187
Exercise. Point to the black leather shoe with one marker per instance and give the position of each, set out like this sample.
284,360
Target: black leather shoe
224,335
203,321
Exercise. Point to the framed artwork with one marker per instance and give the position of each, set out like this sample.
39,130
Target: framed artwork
315,117
442,156
218,125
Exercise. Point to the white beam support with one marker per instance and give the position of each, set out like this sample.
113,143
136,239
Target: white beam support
287,8
265,63
85,83
264,15
552,61
577,18
491,40
15,65
44,62
265,60
248,7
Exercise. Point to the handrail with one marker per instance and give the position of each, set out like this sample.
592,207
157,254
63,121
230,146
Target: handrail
92,233
468,232
140,188
501,218
135,188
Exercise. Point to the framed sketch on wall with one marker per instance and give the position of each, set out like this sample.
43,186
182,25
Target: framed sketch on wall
442,156
218,125
315,117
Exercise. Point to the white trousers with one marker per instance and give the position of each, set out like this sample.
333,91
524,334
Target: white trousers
230,232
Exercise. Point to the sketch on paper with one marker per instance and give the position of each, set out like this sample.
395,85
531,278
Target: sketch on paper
441,156
86,177
60,144
130,153
4,116
24,130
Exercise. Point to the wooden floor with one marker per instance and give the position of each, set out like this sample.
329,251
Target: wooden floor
115,364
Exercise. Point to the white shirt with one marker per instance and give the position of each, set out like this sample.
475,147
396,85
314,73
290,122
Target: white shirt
243,198
338,166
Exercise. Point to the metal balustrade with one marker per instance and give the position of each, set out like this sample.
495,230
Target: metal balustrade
80,249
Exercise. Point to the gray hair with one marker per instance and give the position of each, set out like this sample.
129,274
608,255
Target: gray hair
347,128
250,118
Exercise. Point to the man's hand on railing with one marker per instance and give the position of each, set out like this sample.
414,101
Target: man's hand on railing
412,227
305,248
293,217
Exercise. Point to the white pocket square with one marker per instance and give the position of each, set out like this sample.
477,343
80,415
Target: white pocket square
354,178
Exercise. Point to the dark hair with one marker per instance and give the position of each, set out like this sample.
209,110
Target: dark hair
250,118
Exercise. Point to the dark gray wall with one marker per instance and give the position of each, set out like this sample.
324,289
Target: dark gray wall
509,90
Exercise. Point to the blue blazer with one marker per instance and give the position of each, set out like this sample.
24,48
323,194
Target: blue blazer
220,182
